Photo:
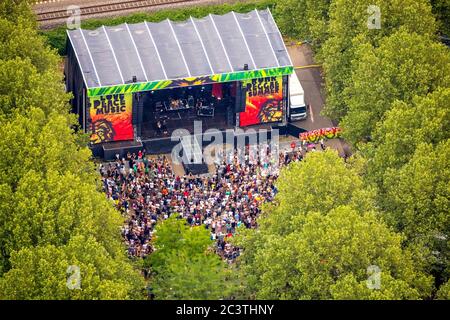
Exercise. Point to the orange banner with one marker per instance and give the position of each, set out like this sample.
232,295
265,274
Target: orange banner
264,101
111,118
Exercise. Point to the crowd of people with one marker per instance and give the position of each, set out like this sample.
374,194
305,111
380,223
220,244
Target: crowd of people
147,190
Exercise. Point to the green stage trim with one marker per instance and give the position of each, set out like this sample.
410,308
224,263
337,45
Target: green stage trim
194,81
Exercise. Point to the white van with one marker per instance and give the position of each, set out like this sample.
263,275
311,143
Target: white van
297,106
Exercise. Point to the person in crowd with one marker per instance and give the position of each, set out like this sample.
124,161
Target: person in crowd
322,143
146,190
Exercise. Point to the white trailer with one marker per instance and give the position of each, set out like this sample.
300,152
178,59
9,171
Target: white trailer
297,107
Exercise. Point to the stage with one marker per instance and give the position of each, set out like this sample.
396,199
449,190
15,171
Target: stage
164,111
134,85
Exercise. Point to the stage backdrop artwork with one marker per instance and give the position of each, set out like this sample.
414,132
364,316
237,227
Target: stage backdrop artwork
264,102
325,133
111,118
193,81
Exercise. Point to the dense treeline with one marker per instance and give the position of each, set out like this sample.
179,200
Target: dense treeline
54,221
389,205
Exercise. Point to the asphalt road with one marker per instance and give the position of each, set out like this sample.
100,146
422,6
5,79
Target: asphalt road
312,83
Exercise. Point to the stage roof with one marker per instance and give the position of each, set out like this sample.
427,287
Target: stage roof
213,49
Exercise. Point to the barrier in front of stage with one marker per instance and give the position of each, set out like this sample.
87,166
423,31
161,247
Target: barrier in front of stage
165,145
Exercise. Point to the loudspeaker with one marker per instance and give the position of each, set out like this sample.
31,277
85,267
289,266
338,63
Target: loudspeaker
241,98
230,115
137,114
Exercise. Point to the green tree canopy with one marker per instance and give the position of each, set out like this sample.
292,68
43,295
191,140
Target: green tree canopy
320,183
344,244
404,65
425,119
304,19
417,202
52,213
184,265
320,235
50,272
441,9
18,10
23,87
328,258
49,188
409,160
348,29
444,291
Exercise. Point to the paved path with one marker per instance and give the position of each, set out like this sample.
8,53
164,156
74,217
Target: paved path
312,83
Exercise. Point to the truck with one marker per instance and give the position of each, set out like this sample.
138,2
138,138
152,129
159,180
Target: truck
298,110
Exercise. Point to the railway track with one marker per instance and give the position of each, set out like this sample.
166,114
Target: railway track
55,16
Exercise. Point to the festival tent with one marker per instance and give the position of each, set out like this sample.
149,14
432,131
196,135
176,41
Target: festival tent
130,58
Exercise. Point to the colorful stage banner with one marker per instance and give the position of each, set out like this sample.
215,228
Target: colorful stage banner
111,118
194,81
315,136
264,102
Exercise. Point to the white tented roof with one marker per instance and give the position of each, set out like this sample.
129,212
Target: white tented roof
169,50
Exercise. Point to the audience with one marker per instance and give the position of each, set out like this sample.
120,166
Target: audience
147,190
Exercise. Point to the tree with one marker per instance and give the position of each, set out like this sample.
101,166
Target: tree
15,10
44,143
318,239
348,29
82,269
304,19
408,164
23,87
417,203
444,292
19,39
405,64
184,266
426,119
320,183
329,256
320,235
441,9
49,188
52,213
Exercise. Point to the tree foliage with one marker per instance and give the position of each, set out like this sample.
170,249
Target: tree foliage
52,212
328,239
57,37
184,266
425,119
441,9
405,64
304,19
409,160
49,272
417,201
348,28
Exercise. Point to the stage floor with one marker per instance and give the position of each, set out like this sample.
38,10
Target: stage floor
184,119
